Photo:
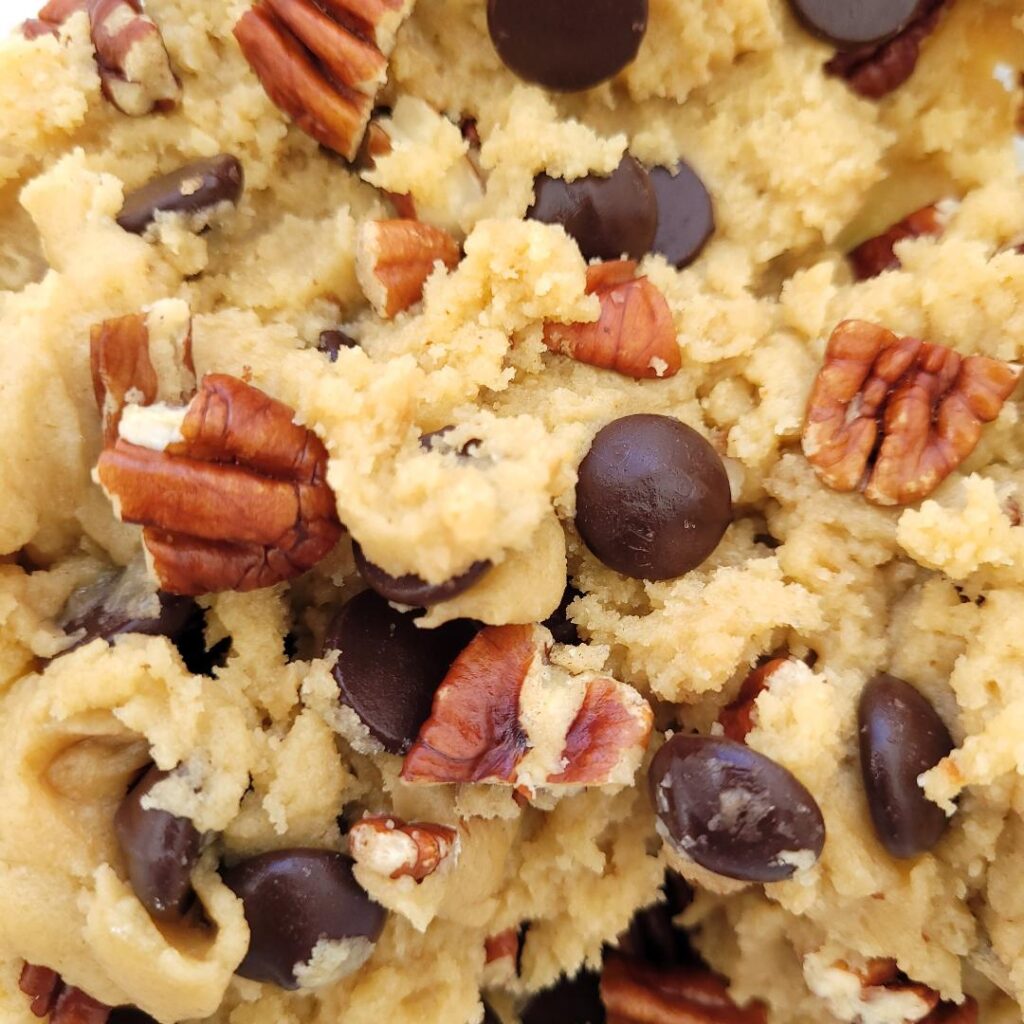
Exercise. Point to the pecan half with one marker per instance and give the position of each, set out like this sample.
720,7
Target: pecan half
391,847
634,335
637,993
394,258
876,255
895,416
64,1004
875,70
737,719
323,63
478,730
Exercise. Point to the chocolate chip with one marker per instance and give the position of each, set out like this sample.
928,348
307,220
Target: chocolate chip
160,851
901,736
196,188
607,215
851,23
653,936
733,810
332,342
294,900
490,1017
567,45
412,590
686,218
653,497
563,629
569,1001
388,670
129,1015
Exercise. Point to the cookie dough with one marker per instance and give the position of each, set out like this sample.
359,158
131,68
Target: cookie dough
619,725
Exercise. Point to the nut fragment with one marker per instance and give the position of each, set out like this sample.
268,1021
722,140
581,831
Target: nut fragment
50,18
64,1004
634,335
505,715
394,258
737,719
637,993
875,70
391,847
893,416
323,64
876,255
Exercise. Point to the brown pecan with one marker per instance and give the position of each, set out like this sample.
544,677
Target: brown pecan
477,728
239,502
875,70
50,18
634,334
894,416
394,258
876,255
391,847
954,1013
323,63
501,946
637,993
64,1004
737,719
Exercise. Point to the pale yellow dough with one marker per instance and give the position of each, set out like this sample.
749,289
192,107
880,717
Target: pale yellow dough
800,169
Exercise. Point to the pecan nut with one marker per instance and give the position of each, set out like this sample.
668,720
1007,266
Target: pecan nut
876,255
737,718
634,334
877,69
389,846
637,993
62,1003
484,722
894,416
50,18
323,64
394,258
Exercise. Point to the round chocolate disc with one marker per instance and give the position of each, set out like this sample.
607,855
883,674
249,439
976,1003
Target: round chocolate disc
653,497
608,215
411,590
388,670
686,218
567,45
851,23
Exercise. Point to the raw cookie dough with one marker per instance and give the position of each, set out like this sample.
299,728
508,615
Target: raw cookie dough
241,705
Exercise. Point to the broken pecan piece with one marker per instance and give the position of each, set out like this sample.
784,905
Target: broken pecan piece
323,64
637,993
394,258
480,726
877,69
876,255
894,416
64,1004
391,847
634,334
737,719
50,18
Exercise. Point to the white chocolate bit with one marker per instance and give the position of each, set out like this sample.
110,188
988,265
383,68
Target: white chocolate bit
332,960
156,427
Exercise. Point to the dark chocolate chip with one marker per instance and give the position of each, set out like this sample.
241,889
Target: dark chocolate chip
332,342
567,45
653,936
388,670
490,1017
733,810
901,736
412,590
653,497
160,851
294,899
607,215
852,23
195,188
563,629
569,1001
129,1015
686,218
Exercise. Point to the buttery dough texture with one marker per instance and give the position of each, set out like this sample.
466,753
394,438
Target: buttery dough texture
799,169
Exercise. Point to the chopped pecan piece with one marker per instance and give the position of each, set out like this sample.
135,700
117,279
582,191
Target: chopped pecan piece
877,69
478,730
50,18
954,1013
638,993
634,334
64,1004
323,64
895,416
737,719
502,953
391,847
876,255
394,258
